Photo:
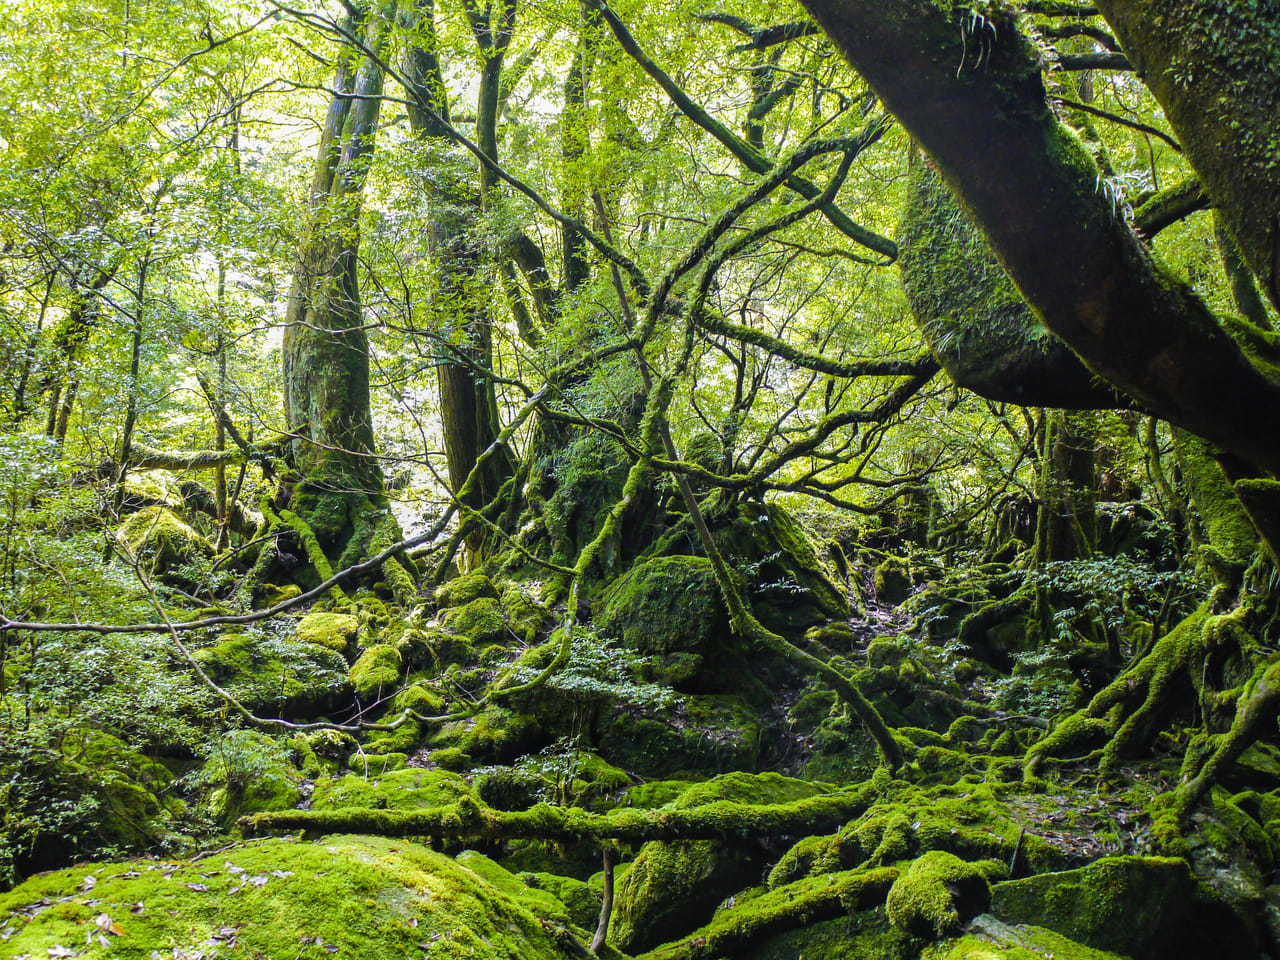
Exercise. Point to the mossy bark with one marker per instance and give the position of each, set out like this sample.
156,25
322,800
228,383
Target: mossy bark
326,350
1052,220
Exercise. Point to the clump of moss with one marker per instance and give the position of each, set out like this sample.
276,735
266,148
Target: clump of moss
664,606
159,537
280,676
333,631
937,894
462,590
376,673
434,649
481,621
1138,906
408,789
525,615
673,887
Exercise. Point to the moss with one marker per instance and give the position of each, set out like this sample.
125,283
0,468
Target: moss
159,537
434,649
866,935
376,673
350,896
334,631
1138,906
481,621
582,903
494,735
666,606
410,789
462,590
450,758
672,887
1020,943
789,584
703,734
808,901
539,901
281,676
526,616
936,895
272,593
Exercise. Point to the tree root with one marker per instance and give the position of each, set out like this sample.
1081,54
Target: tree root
469,819
1147,689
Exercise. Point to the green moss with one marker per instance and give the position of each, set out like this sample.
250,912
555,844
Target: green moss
462,590
1020,943
526,616
664,606
376,673
481,621
936,894
866,935
434,649
334,631
1138,906
494,735
159,537
539,901
788,581
672,887
280,676
578,898
812,900
411,789
350,896
278,593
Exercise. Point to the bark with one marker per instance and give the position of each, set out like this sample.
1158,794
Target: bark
1214,66
326,350
468,400
1053,221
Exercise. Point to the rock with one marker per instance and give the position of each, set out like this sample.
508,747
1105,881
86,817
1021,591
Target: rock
333,631
345,896
481,621
377,672
409,789
281,676
989,939
670,609
161,539
1148,908
462,590
936,895
673,888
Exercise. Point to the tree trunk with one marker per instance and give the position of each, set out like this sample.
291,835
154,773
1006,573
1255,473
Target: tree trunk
337,484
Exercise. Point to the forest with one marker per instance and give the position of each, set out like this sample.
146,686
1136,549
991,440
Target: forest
586,478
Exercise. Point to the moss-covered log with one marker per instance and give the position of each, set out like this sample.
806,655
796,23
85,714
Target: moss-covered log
470,819
806,902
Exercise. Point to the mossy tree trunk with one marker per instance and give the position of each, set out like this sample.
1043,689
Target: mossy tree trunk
336,488
468,399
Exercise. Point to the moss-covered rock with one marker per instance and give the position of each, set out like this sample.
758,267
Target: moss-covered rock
1144,907
409,789
671,888
278,676
702,734
481,621
160,538
542,902
579,899
462,590
333,631
866,935
434,649
990,939
936,894
666,606
494,735
376,673
347,896
788,581
526,617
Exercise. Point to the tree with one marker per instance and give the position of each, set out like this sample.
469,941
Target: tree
968,85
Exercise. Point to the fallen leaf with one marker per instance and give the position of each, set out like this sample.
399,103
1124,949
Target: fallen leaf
57,950
281,874
259,881
197,887
89,882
